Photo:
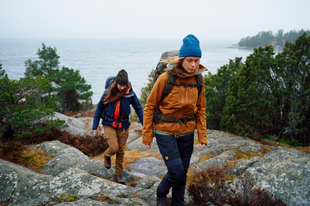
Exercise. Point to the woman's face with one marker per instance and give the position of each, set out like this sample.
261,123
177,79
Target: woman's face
190,64
121,87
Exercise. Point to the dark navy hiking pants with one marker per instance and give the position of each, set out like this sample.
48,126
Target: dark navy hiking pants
176,152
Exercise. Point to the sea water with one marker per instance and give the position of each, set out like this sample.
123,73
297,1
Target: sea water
97,59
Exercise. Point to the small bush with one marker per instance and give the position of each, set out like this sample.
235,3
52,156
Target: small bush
291,142
262,197
89,145
15,150
209,186
12,151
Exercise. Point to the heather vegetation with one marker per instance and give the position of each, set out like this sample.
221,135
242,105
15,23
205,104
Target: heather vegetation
210,186
16,150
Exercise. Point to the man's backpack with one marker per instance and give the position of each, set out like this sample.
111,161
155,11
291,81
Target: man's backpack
160,68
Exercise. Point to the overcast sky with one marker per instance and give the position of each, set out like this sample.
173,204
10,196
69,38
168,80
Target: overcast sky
149,19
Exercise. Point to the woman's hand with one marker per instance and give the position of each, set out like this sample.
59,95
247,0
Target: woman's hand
149,145
94,132
201,145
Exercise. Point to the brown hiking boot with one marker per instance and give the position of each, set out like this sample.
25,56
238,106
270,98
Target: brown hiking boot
162,201
119,179
107,162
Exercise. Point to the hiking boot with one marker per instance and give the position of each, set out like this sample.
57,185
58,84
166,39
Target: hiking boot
162,201
107,162
119,179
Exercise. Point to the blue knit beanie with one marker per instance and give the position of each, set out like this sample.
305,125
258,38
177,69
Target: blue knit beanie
190,47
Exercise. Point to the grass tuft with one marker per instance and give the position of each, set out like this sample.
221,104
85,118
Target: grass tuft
36,159
16,152
104,198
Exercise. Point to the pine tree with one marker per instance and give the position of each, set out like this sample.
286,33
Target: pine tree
71,89
2,72
20,113
68,88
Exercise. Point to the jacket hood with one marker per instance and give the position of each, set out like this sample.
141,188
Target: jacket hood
180,73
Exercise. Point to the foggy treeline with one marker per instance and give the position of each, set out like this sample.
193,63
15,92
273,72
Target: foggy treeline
265,38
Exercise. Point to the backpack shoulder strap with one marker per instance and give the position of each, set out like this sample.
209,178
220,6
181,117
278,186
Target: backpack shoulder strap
199,83
168,88
170,84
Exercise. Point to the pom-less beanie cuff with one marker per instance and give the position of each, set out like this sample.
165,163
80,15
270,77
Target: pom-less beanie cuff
121,77
190,47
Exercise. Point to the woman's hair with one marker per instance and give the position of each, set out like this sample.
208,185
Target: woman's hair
177,66
114,94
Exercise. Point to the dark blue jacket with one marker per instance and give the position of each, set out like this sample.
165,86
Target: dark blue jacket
106,112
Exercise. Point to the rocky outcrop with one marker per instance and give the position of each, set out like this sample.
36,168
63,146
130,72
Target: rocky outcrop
78,126
283,172
71,172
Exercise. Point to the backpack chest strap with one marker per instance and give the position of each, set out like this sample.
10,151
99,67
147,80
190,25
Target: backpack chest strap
184,84
160,118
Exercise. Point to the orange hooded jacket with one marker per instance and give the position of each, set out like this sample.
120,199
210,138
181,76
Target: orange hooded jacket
180,102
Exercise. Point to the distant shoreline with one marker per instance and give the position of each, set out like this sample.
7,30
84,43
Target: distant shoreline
236,46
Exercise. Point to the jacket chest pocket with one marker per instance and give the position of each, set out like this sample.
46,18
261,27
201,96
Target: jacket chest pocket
181,97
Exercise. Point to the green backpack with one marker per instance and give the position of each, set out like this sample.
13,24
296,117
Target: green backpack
160,68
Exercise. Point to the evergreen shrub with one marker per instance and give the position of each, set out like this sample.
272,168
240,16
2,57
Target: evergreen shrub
268,94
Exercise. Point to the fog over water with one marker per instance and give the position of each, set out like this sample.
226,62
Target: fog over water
98,59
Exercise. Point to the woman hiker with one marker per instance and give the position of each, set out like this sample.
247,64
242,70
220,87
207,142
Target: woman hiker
174,120
114,109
